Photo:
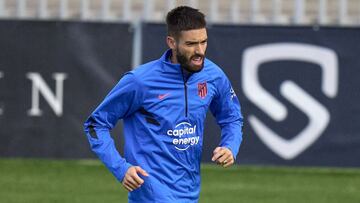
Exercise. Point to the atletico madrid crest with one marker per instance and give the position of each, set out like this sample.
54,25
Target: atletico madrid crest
202,90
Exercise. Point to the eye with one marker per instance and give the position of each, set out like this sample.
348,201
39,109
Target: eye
191,43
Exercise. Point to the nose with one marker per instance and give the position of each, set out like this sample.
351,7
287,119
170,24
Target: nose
200,49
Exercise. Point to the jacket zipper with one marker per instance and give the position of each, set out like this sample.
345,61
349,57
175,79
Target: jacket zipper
186,100
185,89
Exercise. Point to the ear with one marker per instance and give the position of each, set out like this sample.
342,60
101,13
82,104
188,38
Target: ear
171,42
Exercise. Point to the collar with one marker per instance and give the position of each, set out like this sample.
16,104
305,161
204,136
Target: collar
167,65
172,67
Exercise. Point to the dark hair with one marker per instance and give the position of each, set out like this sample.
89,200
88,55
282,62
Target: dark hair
184,18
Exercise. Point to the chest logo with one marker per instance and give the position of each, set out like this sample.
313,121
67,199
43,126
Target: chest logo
202,90
184,136
162,96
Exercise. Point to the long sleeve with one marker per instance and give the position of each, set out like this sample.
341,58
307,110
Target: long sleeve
124,99
226,109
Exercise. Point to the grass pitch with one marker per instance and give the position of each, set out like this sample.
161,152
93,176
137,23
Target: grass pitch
88,181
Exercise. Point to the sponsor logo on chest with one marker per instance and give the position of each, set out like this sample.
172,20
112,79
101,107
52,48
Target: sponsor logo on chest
184,136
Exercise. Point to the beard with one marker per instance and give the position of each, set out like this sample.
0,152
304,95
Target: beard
185,62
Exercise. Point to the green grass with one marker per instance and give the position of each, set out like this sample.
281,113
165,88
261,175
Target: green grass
87,181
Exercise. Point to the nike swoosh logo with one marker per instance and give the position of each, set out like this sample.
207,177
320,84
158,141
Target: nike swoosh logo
162,96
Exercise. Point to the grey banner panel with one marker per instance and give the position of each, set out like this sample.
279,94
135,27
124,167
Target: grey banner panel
298,86
52,75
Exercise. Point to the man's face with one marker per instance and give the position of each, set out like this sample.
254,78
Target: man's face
190,49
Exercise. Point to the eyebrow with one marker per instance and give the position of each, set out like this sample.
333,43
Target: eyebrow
195,42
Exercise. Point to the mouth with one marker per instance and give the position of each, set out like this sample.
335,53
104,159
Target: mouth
197,60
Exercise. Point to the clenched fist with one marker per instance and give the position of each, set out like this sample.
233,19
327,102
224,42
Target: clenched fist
132,180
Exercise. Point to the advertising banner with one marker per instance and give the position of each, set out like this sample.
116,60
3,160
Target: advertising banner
52,75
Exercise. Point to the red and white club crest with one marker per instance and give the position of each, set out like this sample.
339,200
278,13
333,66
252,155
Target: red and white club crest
202,90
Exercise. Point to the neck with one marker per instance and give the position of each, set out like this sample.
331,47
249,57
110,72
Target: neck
173,58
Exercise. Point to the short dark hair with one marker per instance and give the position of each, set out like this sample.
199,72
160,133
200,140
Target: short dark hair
184,18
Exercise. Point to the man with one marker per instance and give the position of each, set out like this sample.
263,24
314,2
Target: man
163,105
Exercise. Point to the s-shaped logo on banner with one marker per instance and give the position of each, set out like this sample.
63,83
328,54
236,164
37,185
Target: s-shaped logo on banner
317,114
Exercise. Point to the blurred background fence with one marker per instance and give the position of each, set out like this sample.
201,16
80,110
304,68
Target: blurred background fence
283,12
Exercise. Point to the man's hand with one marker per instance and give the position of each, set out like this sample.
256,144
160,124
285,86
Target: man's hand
132,180
223,156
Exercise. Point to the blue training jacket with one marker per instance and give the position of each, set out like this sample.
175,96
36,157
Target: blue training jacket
163,111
